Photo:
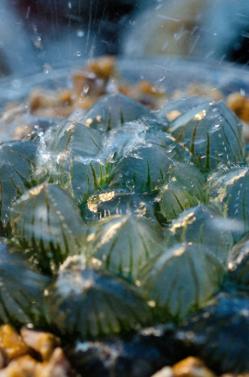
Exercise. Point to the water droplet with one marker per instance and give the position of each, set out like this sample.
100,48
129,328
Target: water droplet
78,53
80,33
38,42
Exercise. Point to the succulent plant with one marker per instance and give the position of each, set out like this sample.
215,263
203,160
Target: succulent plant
203,225
212,133
238,262
230,189
21,289
17,160
144,169
184,188
114,110
46,220
119,202
91,303
182,279
173,109
124,244
68,156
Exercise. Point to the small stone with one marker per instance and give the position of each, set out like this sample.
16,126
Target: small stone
57,366
11,343
164,372
42,342
24,366
191,367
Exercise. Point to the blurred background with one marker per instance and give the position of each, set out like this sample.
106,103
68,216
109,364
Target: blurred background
39,35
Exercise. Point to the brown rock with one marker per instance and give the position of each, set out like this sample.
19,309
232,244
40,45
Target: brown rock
191,367
42,342
11,343
57,366
24,366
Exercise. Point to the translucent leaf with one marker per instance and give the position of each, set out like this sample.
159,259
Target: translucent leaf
114,110
16,166
182,279
184,189
231,191
238,262
119,202
212,133
21,290
173,109
141,133
90,303
203,225
46,220
144,169
125,243
220,334
67,142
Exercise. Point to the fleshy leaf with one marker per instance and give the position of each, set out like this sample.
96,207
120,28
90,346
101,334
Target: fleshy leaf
173,109
184,188
90,303
17,160
203,225
182,279
125,244
113,111
230,189
21,290
46,220
238,262
212,133
119,202
144,169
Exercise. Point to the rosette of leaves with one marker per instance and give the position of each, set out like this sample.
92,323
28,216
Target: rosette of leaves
230,189
21,289
182,279
144,169
17,160
184,188
212,133
203,225
88,302
45,220
119,202
124,244
113,111
238,262
219,334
